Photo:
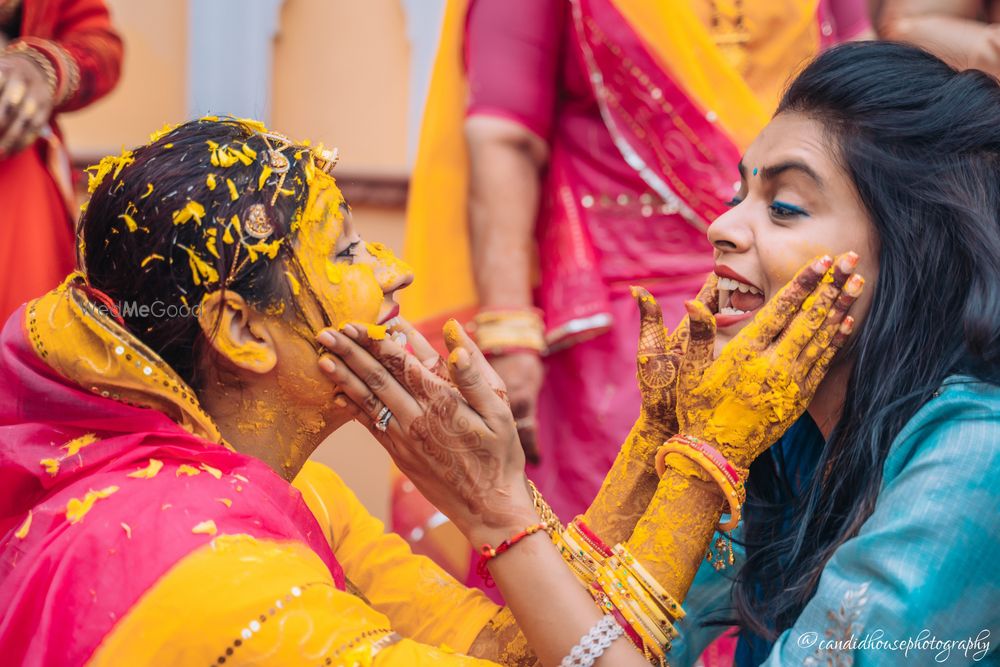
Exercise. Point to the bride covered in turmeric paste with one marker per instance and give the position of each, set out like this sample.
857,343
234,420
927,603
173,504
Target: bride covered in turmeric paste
157,411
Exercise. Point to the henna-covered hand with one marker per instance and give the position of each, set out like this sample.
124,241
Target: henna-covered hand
658,360
764,379
455,439
631,482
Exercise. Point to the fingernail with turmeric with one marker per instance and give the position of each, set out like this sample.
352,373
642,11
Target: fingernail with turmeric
451,331
848,261
823,263
854,285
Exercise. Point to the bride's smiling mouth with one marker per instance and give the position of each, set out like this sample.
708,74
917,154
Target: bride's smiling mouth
739,298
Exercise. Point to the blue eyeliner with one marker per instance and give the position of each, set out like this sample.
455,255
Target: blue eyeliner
789,208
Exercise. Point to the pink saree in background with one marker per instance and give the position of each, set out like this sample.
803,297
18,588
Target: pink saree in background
636,172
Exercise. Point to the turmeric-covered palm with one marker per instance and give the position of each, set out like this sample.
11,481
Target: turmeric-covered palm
764,379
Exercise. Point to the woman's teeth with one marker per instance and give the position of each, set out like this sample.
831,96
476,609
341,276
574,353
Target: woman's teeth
729,310
397,336
731,285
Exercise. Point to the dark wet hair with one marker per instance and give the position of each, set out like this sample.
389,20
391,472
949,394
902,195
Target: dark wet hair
921,142
154,263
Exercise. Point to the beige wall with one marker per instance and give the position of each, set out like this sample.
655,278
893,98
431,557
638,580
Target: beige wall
340,76
153,88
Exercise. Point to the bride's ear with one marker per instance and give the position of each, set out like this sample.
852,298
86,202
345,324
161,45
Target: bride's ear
237,332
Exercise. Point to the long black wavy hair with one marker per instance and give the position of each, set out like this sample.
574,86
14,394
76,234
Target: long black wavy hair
921,142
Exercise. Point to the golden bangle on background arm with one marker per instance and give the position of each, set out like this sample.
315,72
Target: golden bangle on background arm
503,331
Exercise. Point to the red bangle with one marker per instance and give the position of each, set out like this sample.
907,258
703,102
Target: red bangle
728,469
488,553
592,538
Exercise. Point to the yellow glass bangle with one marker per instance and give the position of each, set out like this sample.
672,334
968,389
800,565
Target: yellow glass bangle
585,558
580,571
646,607
617,599
604,603
721,479
665,599
573,533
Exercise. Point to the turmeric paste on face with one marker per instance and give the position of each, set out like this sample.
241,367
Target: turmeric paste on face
345,292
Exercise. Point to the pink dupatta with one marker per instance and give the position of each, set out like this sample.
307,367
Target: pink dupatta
68,573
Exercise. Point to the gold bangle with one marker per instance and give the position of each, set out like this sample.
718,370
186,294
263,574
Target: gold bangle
497,331
545,513
40,60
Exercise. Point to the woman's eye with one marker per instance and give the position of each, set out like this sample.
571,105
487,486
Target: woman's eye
735,201
348,252
782,211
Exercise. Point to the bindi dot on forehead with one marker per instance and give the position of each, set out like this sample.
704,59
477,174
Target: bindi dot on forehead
755,171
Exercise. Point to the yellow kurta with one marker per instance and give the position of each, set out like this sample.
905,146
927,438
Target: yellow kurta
242,600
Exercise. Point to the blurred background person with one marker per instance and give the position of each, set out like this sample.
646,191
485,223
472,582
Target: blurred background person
965,33
568,151
55,56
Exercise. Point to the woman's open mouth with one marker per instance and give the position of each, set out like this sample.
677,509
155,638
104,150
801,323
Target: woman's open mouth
739,300
389,318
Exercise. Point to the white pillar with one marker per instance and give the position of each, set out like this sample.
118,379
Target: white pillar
230,56
423,30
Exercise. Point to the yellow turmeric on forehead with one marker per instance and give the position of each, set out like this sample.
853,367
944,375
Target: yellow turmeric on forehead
345,292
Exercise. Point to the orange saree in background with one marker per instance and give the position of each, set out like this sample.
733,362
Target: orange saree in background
37,206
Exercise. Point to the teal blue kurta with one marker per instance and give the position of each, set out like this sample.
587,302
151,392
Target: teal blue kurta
923,572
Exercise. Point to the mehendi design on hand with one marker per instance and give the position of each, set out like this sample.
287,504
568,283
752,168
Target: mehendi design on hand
444,430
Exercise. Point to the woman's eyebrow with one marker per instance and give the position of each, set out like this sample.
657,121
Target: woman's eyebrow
772,172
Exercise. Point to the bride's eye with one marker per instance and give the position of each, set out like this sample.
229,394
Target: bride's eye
348,252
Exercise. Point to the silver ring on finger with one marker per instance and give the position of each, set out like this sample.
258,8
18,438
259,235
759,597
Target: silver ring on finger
382,420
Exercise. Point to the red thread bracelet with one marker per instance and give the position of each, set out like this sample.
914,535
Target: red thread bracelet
488,553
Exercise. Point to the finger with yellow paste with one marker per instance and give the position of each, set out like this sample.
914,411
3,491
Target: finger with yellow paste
700,346
818,307
829,332
774,317
822,365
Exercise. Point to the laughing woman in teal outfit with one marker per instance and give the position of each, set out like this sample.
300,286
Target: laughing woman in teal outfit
880,524
871,527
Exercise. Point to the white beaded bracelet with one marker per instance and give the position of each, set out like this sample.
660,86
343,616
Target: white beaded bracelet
593,644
